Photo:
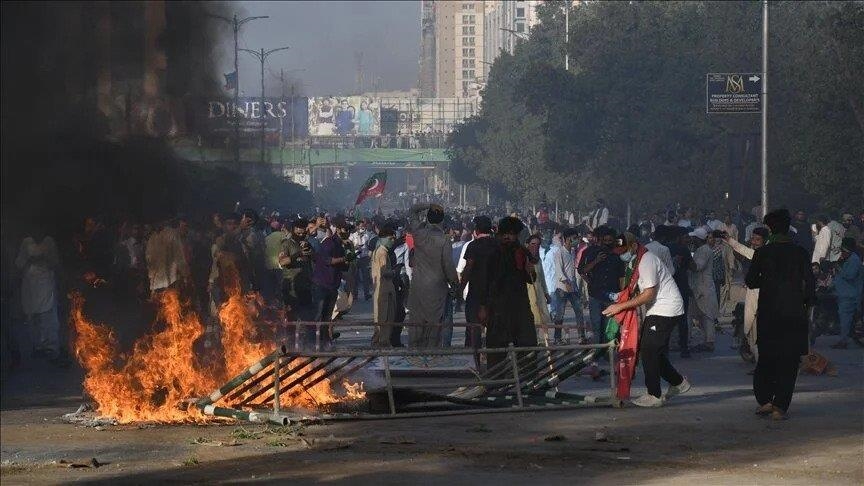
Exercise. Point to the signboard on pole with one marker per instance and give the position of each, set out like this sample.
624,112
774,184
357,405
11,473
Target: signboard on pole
733,93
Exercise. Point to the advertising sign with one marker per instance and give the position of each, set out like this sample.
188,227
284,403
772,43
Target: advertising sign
216,117
733,93
345,115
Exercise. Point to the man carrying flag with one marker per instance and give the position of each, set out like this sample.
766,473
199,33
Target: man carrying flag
665,310
374,187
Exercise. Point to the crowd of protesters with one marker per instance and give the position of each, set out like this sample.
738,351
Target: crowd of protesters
510,272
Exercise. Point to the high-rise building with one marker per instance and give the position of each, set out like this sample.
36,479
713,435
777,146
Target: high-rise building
506,23
427,49
458,50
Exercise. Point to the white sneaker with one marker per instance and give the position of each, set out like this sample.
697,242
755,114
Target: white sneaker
679,389
648,401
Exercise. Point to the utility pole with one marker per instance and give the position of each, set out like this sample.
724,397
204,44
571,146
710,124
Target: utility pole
282,72
764,107
236,24
262,56
566,35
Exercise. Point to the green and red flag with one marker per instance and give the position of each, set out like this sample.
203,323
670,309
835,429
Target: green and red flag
374,187
625,327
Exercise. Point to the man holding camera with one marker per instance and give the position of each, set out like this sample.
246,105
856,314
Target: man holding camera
295,259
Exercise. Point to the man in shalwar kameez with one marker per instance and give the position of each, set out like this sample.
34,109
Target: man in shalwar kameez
433,274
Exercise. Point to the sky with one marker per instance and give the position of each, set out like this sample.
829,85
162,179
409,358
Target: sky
323,37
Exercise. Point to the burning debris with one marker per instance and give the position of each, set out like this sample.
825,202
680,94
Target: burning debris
163,371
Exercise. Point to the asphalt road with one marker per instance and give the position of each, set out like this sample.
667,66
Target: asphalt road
709,436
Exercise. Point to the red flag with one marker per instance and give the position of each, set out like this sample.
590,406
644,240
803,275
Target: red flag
374,187
628,322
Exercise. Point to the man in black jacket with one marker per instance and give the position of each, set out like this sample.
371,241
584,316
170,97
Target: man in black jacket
781,272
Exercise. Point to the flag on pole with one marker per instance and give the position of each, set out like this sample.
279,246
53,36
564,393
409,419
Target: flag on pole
374,187
231,80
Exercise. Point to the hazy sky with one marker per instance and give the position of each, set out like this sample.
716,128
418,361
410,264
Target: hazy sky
323,36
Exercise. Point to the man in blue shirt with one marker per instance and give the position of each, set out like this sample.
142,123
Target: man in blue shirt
603,271
848,285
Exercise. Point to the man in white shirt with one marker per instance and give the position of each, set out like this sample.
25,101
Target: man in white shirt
360,239
662,253
665,311
600,215
829,236
563,285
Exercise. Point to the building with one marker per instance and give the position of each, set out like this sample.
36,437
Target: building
458,46
505,23
427,49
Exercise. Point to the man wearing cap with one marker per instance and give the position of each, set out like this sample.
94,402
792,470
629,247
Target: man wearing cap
702,285
848,286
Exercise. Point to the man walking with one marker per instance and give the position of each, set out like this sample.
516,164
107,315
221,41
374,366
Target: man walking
665,309
702,285
781,271
566,287
480,257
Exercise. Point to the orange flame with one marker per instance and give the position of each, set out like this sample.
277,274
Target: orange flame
163,369
161,372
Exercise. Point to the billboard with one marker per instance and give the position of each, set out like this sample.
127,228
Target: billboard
276,116
344,115
425,115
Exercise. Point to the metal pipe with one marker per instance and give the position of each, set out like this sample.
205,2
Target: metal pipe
276,404
613,376
255,417
435,351
281,377
306,375
512,356
242,377
238,392
323,376
389,382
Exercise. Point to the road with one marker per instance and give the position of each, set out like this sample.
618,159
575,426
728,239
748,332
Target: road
709,435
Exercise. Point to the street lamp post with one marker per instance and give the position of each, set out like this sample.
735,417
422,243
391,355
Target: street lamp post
262,56
293,114
236,24
764,107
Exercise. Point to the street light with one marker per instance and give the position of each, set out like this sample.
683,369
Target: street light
236,24
293,114
262,56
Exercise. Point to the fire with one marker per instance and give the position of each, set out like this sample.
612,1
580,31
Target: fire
160,373
163,370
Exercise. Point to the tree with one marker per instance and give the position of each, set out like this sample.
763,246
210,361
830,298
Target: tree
628,120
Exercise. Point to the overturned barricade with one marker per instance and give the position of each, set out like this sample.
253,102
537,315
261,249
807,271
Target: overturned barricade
519,378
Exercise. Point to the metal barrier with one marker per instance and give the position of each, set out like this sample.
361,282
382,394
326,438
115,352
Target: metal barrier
524,378
302,338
